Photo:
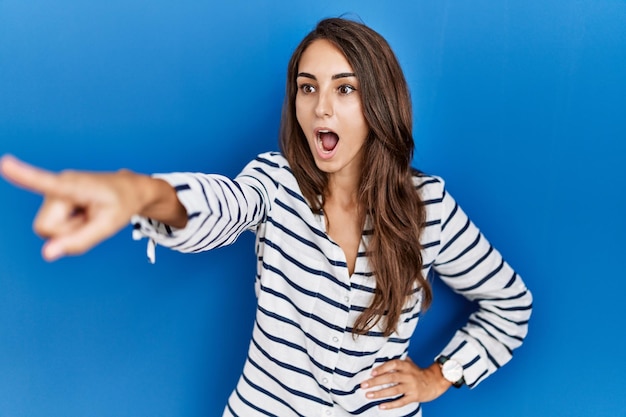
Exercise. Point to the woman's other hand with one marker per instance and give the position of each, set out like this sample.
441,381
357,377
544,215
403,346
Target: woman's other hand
404,378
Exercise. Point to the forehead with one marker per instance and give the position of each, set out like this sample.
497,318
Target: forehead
322,57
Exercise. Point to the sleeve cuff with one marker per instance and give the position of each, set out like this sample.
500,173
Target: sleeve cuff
471,356
160,233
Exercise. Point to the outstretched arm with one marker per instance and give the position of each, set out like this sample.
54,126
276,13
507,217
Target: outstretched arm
81,209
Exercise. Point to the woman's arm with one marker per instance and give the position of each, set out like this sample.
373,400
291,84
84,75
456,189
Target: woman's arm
81,209
473,268
219,209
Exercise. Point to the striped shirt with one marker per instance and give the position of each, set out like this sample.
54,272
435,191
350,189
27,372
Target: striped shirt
303,359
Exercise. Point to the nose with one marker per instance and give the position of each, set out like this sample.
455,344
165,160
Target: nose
324,105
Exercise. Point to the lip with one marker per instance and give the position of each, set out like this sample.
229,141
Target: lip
318,143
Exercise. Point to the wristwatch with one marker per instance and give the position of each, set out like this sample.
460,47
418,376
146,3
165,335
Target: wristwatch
451,370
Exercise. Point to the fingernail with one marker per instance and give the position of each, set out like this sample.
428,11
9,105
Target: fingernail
365,385
52,252
369,395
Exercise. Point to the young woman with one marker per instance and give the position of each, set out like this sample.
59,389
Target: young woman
347,233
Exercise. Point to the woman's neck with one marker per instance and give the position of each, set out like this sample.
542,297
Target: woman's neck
342,191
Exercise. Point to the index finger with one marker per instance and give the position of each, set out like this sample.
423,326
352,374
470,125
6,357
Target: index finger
28,176
388,366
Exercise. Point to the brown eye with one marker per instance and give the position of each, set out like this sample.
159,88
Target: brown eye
307,88
346,89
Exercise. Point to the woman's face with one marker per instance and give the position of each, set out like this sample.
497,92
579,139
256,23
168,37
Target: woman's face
329,110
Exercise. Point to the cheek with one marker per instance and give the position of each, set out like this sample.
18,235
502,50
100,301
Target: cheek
304,121
299,112
355,109
359,124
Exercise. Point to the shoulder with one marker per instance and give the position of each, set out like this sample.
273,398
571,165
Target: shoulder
430,187
270,168
439,204
269,162
273,158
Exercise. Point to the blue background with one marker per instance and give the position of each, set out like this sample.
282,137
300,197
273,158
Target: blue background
519,105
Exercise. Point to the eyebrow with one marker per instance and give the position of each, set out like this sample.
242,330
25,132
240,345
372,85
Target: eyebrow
334,77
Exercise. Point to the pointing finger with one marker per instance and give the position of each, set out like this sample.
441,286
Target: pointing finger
27,176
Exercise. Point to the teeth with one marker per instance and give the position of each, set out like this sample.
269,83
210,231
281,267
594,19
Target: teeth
319,132
321,145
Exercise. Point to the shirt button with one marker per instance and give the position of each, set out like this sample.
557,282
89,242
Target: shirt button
328,412
346,299
335,339
325,380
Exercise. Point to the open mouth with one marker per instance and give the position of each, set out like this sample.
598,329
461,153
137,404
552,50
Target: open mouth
327,140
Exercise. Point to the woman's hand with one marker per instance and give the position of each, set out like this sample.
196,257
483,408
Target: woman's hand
403,377
81,209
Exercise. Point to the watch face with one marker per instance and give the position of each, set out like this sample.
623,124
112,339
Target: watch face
452,370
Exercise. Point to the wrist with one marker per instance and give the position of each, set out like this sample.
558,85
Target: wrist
136,190
440,381
157,199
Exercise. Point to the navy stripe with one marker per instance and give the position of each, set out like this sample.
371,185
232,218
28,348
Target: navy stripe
433,201
182,187
511,281
484,329
204,194
283,386
431,223
299,238
452,213
455,237
459,347
267,162
471,267
315,230
480,377
304,267
357,353
303,312
294,346
515,308
431,244
512,297
491,358
427,182
484,280
297,196
249,404
301,372
261,171
297,325
464,251
486,322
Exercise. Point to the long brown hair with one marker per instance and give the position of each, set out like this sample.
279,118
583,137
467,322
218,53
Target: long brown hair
386,193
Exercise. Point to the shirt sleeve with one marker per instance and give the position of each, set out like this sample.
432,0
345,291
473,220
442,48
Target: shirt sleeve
219,209
473,268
